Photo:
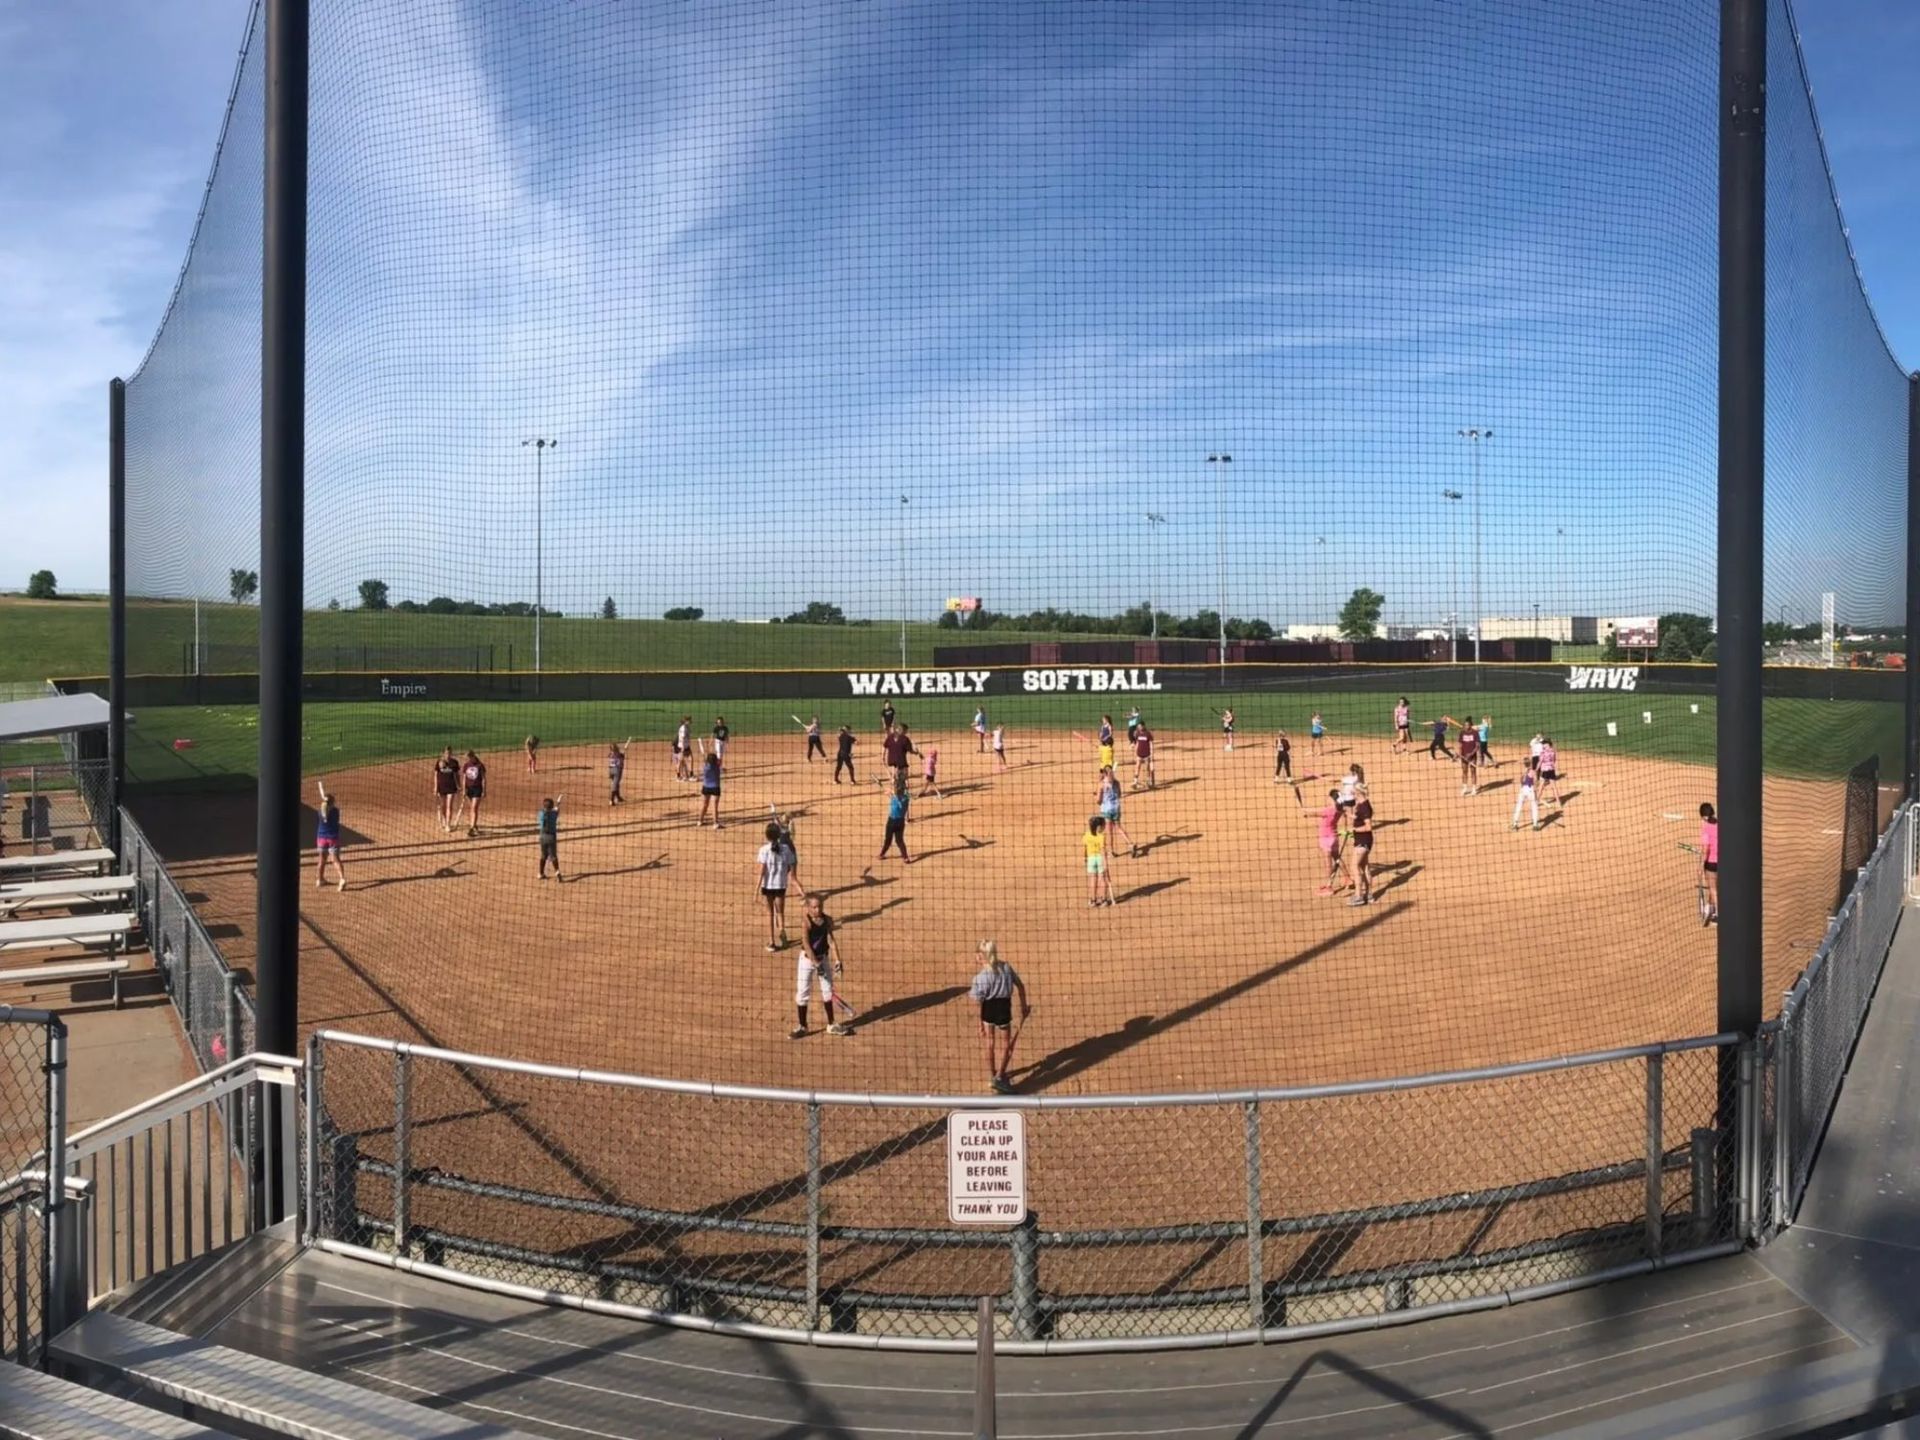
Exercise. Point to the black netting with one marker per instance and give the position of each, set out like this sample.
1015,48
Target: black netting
1006,370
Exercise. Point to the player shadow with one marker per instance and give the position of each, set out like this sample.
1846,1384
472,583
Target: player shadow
966,843
1177,780
1551,817
445,872
1082,1055
880,909
1386,824
1399,873
1566,795
945,814
1495,785
963,788
1141,892
1159,840
659,862
904,1005
866,881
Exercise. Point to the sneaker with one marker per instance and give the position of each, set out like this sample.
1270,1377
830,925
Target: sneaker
543,877
771,947
1536,824
1357,900
838,1030
1000,1085
1516,825
799,1032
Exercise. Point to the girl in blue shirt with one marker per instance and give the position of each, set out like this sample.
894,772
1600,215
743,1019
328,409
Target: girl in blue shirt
897,820
710,790
326,840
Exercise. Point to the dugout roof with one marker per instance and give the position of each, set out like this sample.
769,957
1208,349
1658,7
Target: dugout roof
54,715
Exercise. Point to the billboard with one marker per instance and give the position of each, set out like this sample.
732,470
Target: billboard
966,604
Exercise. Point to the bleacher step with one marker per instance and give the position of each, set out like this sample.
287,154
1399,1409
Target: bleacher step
34,1406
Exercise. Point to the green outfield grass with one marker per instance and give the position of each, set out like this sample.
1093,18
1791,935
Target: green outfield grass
1802,737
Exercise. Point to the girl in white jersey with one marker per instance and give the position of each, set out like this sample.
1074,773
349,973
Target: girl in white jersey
1000,747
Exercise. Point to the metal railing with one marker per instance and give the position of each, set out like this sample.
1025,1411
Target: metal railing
179,1176
215,1008
1822,1015
1155,1219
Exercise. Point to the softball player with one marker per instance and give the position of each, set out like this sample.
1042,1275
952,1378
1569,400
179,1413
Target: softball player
1529,779
326,840
820,961
1107,802
993,990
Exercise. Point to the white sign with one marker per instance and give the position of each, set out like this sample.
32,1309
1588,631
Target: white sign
986,1167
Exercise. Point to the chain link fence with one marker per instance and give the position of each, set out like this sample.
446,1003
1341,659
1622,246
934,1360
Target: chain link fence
1821,1018
1152,1219
28,1123
62,805
216,1010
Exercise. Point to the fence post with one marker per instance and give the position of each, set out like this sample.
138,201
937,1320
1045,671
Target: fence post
1702,1152
32,817
1256,1249
1024,1243
116,603
1747,1138
402,1146
1656,1153
813,1214
310,1081
63,1297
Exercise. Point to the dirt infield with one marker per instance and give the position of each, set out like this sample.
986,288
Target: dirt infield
1219,966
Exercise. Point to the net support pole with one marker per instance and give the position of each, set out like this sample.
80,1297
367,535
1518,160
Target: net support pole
282,544
1913,585
1742,475
116,606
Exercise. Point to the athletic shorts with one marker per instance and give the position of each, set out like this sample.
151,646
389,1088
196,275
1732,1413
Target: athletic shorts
1362,842
997,1012
474,792
713,790
1712,867
773,893
549,847
1096,864
1549,774
1326,846
1110,814
445,789
326,844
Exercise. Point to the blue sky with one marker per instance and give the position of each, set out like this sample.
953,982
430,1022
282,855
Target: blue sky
763,270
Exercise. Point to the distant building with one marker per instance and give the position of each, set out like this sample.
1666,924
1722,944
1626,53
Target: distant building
1561,629
1314,630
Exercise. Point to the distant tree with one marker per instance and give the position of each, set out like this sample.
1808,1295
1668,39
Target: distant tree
685,612
441,605
818,612
335,604
373,595
1712,652
41,586
404,607
1610,650
242,585
1673,646
607,612
1360,616
949,620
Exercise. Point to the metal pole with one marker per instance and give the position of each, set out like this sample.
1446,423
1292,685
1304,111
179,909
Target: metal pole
539,547
310,1079
1913,588
1741,542
1256,1242
1742,471
813,1215
986,1415
61,1273
282,550
402,1147
116,603
1656,1154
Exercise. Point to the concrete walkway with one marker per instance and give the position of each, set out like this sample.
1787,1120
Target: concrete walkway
1854,1250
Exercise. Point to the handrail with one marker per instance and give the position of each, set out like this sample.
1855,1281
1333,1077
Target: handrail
217,1083
714,1089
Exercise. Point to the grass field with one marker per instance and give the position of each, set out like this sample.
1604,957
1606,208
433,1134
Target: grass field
39,639
1806,738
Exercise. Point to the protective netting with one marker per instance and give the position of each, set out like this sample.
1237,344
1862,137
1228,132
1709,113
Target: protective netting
1836,553
1013,357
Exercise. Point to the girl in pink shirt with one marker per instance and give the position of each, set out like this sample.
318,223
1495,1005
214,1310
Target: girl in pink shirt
1330,818
1710,861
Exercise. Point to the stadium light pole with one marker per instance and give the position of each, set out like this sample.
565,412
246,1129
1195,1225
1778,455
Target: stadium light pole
1474,435
1220,464
540,448
1320,566
1154,522
903,581
1453,619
